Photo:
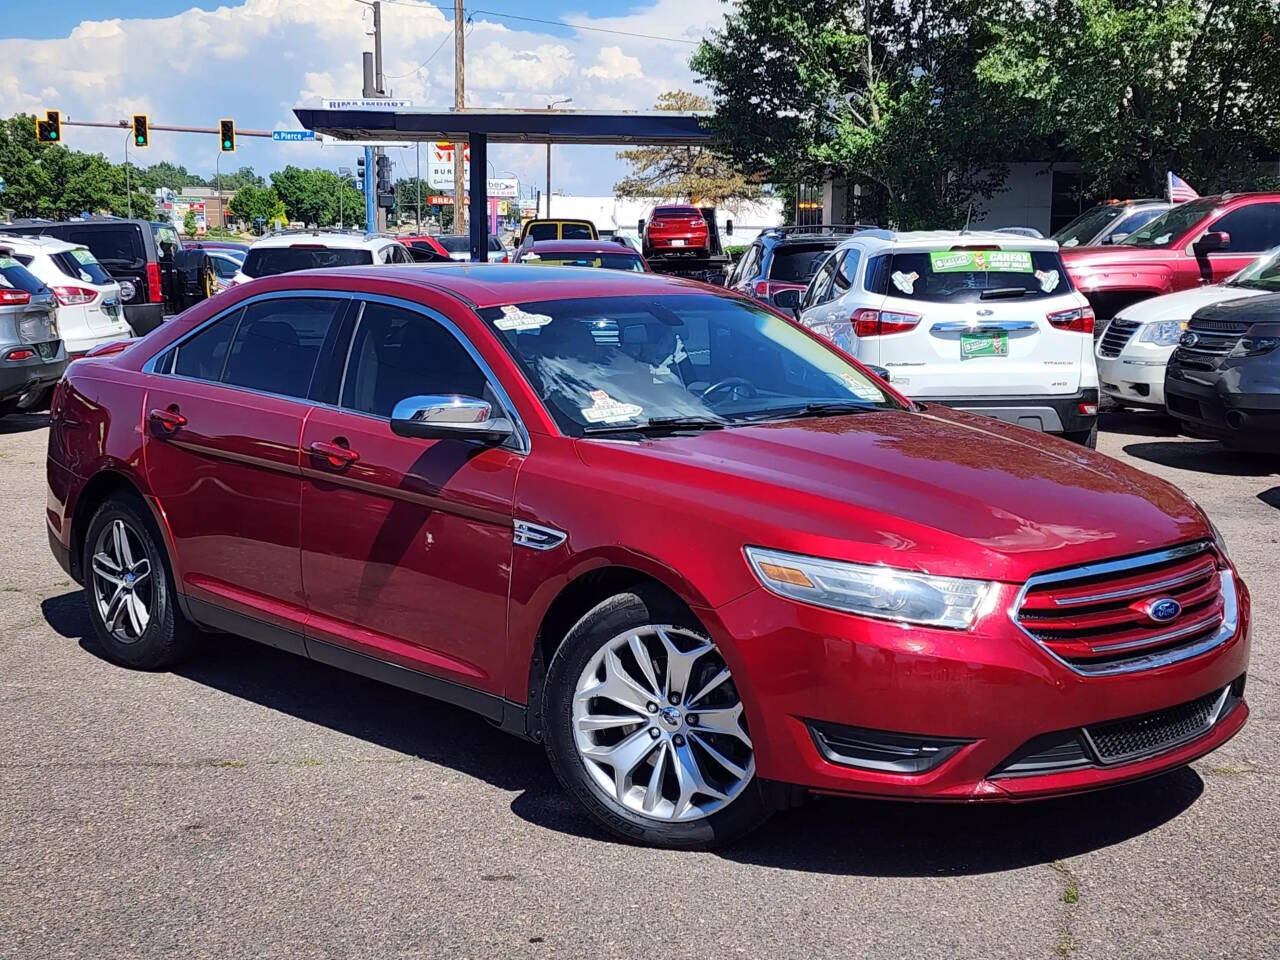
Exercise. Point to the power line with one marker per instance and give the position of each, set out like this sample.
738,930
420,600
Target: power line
447,37
553,23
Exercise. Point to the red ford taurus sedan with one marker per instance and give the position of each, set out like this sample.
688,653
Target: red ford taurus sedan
706,559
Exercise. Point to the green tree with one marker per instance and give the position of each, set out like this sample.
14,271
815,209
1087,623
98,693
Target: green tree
697,174
1134,88
251,204
189,224
312,196
168,176
244,177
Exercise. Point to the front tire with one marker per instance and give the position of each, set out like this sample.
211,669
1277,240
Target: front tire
644,726
129,589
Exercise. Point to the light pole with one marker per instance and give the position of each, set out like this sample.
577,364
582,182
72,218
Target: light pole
551,106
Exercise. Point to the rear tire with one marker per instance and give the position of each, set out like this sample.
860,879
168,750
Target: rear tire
1086,438
578,727
129,589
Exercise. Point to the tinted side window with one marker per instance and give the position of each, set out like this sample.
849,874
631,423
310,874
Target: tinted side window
542,231
818,286
278,344
1253,228
846,270
112,245
575,231
397,353
204,355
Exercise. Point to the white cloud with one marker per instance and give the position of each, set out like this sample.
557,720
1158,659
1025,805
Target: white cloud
257,59
613,64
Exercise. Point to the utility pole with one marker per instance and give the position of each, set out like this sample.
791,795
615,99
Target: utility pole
459,101
370,195
417,180
374,86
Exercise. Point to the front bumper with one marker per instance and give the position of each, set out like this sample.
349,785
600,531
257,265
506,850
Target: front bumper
1136,376
1213,403
18,378
1054,413
991,690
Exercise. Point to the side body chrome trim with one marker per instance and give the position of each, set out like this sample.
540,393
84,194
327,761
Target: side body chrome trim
537,537
1230,612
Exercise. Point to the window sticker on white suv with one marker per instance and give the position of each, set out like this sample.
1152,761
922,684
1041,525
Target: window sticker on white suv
906,282
1048,280
980,261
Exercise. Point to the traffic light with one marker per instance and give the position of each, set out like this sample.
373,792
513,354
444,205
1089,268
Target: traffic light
141,133
227,136
49,130
383,166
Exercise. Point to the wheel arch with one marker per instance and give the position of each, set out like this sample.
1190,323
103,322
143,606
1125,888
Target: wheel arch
104,484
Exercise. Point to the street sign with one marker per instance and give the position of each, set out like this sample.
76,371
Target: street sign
367,103
440,200
292,136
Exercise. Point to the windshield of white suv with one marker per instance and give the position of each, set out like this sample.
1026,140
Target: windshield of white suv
1262,274
1087,226
269,261
1165,229
683,361
968,275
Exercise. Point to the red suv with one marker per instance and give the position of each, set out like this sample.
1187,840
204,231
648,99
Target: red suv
691,548
676,230
1200,242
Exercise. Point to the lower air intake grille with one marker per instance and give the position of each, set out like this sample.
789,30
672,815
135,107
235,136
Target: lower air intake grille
1153,733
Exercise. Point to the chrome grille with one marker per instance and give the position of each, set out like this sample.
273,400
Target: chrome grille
1116,336
1096,618
1206,340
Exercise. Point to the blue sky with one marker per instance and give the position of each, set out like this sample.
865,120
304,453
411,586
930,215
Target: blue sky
194,62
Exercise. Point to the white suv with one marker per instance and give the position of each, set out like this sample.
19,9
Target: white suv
291,251
985,322
89,309
1136,345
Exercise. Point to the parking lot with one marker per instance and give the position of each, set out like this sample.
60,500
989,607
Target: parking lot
256,804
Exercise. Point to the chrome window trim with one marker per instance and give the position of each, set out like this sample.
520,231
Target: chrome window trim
524,443
1227,590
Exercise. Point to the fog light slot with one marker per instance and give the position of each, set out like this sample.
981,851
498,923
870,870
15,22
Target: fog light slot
881,750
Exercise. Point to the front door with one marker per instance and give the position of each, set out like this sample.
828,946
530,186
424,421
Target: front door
1253,229
406,543
223,419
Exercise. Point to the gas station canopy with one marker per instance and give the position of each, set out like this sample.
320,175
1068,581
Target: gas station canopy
479,128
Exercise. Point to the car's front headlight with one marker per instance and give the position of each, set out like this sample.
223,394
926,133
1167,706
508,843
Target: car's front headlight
1166,333
871,591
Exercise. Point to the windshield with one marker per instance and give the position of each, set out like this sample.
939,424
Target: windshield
968,276
618,361
269,261
1262,274
610,261
1164,230
1088,225
457,243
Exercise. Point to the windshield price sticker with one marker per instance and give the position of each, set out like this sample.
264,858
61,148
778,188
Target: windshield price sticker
513,318
605,409
980,261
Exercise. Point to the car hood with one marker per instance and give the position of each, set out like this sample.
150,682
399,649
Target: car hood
1264,309
940,491
1119,256
1180,305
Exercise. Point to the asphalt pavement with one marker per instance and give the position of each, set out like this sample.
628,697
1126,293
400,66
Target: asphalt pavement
254,804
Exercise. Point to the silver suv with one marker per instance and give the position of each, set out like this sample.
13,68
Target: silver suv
32,357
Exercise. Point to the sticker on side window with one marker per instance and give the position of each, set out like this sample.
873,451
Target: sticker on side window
513,318
980,261
605,409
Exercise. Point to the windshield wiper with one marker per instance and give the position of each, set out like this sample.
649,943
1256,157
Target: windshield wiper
655,426
1001,293
825,408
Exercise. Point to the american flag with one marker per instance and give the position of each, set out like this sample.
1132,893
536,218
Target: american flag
1179,190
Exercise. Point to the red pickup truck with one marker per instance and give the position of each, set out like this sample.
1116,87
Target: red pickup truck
1200,242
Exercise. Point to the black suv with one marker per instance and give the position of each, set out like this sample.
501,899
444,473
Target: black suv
162,278
1223,379
784,258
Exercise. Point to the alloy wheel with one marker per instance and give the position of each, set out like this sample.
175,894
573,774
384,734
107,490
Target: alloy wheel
659,724
122,583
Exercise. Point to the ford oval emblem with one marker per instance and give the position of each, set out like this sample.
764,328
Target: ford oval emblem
1164,609
1189,339
984,312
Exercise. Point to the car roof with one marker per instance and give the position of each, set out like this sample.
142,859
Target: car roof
582,246
946,239
496,284
348,241
36,244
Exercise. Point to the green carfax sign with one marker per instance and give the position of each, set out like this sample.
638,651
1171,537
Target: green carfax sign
980,261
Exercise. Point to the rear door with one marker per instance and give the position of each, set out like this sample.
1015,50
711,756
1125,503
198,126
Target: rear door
976,322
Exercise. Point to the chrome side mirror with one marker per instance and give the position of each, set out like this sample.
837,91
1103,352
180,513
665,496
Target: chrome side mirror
446,417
